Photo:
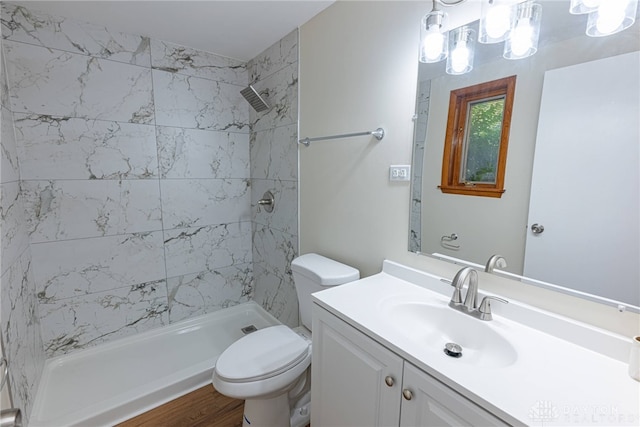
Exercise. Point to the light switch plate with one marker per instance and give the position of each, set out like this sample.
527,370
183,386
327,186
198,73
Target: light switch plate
399,173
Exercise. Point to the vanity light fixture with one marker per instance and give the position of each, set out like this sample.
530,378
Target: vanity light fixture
611,16
461,50
495,21
433,41
515,22
578,7
525,31
606,17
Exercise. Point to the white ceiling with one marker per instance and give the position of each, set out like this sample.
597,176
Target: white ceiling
238,29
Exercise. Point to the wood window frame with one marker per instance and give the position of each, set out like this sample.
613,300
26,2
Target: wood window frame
452,160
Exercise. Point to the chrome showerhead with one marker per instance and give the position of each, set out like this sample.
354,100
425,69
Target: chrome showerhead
254,99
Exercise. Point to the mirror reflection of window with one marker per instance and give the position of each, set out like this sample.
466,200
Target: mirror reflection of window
475,150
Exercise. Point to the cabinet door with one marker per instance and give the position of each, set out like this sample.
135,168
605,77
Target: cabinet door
349,377
434,404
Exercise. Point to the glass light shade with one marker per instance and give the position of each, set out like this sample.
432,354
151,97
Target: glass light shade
612,16
433,42
578,7
495,21
461,50
525,31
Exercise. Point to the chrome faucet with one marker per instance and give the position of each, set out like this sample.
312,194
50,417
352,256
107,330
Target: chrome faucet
472,290
470,300
470,304
495,261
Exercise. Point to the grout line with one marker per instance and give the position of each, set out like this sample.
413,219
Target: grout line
162,219
141,232
146,67
89,119
131,179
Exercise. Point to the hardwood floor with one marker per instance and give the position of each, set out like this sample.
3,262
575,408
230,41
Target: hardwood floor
203,407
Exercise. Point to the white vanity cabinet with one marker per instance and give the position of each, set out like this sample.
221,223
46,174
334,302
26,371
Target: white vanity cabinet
349,374
356,381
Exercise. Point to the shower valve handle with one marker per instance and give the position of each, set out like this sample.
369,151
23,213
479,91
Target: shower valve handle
267,201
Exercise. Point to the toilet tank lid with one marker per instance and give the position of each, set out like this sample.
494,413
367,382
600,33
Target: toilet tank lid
323,270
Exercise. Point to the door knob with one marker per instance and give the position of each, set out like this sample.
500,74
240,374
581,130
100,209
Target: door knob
389,381
406,393
537,228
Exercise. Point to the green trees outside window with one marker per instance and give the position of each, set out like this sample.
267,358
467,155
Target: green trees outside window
482,142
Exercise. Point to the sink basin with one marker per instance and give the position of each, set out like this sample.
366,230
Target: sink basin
434,325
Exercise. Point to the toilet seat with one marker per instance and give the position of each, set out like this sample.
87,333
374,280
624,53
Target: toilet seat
263,354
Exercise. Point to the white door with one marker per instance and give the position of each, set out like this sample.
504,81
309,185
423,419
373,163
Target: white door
354,380
585,185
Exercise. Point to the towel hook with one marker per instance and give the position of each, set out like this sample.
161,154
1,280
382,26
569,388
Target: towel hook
444,242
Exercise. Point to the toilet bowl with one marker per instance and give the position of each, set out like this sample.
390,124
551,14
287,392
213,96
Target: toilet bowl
262,363
269,368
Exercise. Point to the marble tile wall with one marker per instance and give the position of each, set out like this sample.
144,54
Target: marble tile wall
274,167
19,320
136,178
419,141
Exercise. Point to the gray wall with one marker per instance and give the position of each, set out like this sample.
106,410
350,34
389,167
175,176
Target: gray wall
348,208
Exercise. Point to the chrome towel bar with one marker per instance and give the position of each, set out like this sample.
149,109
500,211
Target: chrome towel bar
378,134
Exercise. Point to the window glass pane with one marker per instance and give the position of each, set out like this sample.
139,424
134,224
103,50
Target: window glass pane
482,140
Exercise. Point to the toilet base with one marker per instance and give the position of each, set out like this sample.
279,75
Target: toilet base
301,413
272,412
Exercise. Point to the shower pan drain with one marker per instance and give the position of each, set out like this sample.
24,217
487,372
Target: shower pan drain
248,329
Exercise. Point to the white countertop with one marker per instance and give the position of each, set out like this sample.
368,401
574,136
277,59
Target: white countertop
565,372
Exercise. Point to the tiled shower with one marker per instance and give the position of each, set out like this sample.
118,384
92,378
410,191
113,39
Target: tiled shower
131,170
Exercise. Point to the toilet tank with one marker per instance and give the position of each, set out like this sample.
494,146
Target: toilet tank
313,273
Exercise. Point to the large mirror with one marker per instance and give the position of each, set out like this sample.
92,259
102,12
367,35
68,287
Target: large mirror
569,217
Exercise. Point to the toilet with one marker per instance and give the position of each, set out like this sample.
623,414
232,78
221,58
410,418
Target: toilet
269,368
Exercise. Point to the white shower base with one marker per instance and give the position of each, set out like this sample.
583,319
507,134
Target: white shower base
113,382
